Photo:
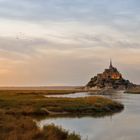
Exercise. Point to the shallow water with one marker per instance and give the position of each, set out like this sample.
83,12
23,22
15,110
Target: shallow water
72,95
121,126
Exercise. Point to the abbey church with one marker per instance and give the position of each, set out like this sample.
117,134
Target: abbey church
110,78
111,73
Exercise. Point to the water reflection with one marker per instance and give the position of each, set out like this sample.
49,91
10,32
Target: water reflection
122,126
73,95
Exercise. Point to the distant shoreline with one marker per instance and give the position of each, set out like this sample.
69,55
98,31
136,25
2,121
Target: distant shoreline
40,87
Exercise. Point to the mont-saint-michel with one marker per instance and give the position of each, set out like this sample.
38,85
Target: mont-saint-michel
110,78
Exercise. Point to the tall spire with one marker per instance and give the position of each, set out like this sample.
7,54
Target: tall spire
110,64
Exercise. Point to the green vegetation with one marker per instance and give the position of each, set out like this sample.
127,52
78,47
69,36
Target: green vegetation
37,104
24,128
39,91
17,109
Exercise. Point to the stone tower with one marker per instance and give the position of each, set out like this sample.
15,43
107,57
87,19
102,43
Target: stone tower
110,66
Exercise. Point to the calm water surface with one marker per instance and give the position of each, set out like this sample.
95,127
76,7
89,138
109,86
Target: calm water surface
121,126
72,95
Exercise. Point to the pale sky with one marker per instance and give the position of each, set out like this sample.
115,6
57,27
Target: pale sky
66,42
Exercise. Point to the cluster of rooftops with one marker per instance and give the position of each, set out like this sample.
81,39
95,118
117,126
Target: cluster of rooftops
110,73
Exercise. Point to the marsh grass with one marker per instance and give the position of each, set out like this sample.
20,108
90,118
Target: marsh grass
18,109
24,128
36,104
37,92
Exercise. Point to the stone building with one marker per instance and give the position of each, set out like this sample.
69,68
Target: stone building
111,73
110,78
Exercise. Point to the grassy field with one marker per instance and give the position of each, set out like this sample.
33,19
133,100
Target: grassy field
36,104
18,108
45,92
24,128
41,90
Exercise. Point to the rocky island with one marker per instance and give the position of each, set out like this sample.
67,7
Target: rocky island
110,78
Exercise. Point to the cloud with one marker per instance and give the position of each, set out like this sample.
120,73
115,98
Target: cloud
93,11
52,63
58,41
